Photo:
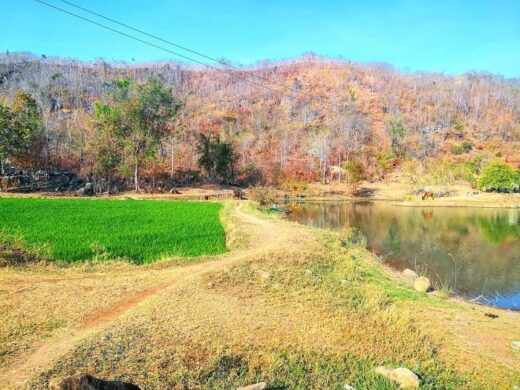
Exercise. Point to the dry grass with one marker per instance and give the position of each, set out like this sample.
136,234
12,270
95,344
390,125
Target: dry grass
290,305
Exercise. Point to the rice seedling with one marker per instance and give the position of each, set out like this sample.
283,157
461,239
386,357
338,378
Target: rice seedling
140,231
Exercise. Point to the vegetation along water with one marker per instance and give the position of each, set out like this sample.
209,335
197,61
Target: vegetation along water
470,251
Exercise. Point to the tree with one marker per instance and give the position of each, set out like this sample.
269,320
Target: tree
139,116
498,176
355,173
397,131
217,157
20,128
5,134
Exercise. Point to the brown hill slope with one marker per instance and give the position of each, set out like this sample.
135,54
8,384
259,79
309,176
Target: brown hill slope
295,118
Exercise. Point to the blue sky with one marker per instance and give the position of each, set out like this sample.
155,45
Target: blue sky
421,35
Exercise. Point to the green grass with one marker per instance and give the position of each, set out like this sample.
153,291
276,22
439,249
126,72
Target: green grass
138,230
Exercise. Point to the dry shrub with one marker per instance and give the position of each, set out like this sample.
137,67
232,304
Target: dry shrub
264,196
14,250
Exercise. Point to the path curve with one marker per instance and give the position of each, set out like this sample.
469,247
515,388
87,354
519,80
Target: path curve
267,235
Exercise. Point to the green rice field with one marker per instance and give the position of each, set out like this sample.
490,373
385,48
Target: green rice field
139,230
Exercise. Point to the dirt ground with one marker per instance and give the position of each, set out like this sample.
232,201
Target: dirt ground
287,303
411,195
393,189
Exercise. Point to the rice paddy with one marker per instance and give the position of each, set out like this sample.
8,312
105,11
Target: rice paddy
138,230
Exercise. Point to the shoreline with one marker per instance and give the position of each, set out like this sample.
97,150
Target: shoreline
506,201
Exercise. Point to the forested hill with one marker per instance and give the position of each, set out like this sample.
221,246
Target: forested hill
294,119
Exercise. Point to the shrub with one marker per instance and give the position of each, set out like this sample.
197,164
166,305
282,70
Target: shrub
356,172
498,176
477,164
436,172
262,195
249,175
386,161
463,148
14,250
297,186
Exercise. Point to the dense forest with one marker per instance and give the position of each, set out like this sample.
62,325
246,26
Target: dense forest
276,122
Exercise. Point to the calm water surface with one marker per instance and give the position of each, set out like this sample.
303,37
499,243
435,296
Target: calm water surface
474,251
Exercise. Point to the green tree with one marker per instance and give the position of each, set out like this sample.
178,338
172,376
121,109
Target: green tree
205,149
498,176
138,117
397,131
5,134
217,157
20,128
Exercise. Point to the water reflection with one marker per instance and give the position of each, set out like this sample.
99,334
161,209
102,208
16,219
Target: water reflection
475,252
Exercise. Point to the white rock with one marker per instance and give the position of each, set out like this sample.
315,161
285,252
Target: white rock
256,386
410,274
516,345
406,378
264,274
348,387
422,284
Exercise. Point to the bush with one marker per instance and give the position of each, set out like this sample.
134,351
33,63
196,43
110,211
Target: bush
500,177
295,186
14,250
249,175
439,172
262,195
355,170
463,148
386,161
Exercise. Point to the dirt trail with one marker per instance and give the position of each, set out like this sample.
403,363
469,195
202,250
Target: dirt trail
267,236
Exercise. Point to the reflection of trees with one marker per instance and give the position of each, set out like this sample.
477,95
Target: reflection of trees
497,229
455,245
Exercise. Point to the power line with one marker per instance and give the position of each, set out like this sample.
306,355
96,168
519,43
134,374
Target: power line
173,44
155,46
243,77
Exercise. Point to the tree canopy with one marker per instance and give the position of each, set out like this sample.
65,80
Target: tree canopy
20,128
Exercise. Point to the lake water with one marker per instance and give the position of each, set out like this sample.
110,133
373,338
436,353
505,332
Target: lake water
473,251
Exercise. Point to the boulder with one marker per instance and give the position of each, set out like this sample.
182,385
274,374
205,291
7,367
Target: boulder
89,189
264,274
410,274
515,345
349,387
256,386
14,181
422,284
88,382
406,378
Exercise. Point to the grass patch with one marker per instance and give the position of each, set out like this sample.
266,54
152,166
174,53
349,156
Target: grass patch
141,231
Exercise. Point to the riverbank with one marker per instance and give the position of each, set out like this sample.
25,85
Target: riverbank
289,305
404,194
394,191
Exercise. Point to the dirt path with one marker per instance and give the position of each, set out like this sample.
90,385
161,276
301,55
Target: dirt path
267,236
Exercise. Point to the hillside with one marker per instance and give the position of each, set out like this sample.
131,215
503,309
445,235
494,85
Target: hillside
288,120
